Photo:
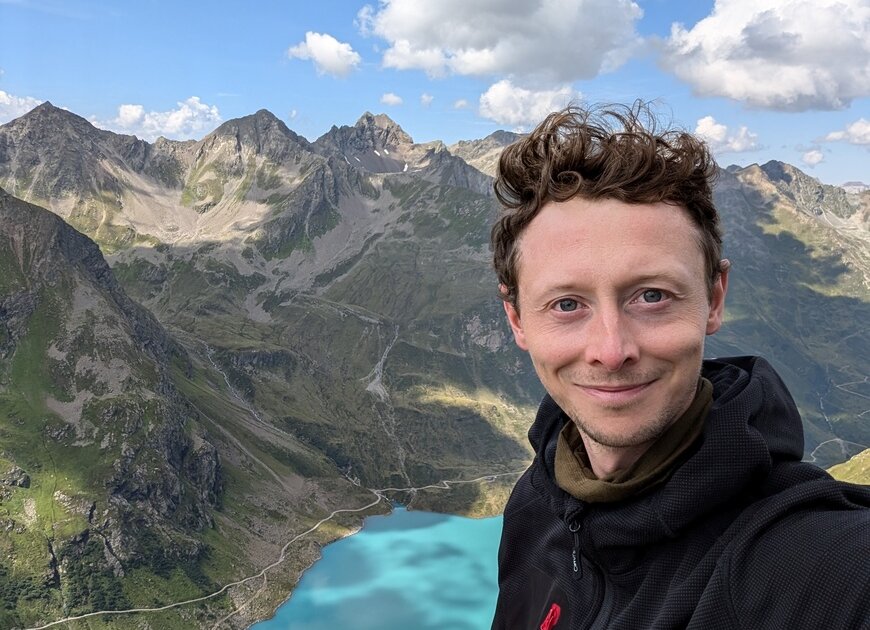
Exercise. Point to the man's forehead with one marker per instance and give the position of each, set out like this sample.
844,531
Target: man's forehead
643,239
622,224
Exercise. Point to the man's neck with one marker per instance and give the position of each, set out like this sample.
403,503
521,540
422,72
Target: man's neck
606,461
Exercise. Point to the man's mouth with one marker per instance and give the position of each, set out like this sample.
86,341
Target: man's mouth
616,394
615,388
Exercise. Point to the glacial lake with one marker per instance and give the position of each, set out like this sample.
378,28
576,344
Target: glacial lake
406,570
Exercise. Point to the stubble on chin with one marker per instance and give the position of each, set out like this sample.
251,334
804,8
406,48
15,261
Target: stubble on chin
643,431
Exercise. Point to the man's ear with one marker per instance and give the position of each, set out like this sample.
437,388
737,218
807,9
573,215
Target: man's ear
717,298
513,317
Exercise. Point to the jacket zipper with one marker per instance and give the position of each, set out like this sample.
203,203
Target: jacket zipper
552,617
576,564
575,526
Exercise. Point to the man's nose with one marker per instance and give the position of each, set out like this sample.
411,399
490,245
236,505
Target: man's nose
611,343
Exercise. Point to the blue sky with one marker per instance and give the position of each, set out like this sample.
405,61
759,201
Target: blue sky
760,79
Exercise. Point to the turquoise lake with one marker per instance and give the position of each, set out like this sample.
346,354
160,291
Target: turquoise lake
407,570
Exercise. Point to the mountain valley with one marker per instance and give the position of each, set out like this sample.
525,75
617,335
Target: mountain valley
209,347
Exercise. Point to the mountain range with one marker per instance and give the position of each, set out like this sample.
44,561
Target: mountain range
207,347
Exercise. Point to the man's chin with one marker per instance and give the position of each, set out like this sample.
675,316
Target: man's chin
621,441
622,432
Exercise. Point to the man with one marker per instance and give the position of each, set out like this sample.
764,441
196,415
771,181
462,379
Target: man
666,491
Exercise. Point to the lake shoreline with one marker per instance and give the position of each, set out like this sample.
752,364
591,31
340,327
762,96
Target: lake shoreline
412,521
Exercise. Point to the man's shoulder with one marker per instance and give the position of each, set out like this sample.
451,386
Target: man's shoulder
804,503
809,561
808,533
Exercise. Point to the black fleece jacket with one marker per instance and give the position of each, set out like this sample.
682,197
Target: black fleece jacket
741,535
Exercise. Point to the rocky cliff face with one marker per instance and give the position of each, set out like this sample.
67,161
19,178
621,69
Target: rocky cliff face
377,144
370,133
90,177
799,285
808,194
483,154
98,443
52,153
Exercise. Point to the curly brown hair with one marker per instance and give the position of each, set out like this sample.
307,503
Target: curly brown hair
612,152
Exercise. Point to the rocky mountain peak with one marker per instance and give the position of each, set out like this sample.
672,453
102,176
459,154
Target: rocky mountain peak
59,154
255,129
382,130
382,121
262,133
375,143
261,119
47,110
778,171
46,118
808,193
43,108
503,137
366,119
483,154
855,186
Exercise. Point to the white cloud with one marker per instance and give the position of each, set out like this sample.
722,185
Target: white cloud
812,157
391,99
188,120
508,104
329,55
460,104
426,99
293,114
856,133
546,40
130,115
14,106
721,141
778,54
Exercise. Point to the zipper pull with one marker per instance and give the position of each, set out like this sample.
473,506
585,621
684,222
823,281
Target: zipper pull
552,617
574,527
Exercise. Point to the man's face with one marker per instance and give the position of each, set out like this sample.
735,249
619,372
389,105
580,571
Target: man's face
613,309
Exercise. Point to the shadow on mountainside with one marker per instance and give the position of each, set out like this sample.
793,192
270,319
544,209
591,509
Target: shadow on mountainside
392,401
777,307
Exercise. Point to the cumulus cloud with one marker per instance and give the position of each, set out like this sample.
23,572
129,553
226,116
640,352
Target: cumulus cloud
460,104
778,54
189,120
391,99
534,39
856,133
721,140
508,104
812,157
14,106
426,99
329,55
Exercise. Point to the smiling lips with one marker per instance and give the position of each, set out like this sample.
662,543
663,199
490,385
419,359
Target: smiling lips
615,394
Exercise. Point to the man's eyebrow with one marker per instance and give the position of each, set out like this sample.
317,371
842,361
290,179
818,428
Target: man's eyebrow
645,278
657,276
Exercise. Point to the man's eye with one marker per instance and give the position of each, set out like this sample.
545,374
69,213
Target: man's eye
567,305
650,296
